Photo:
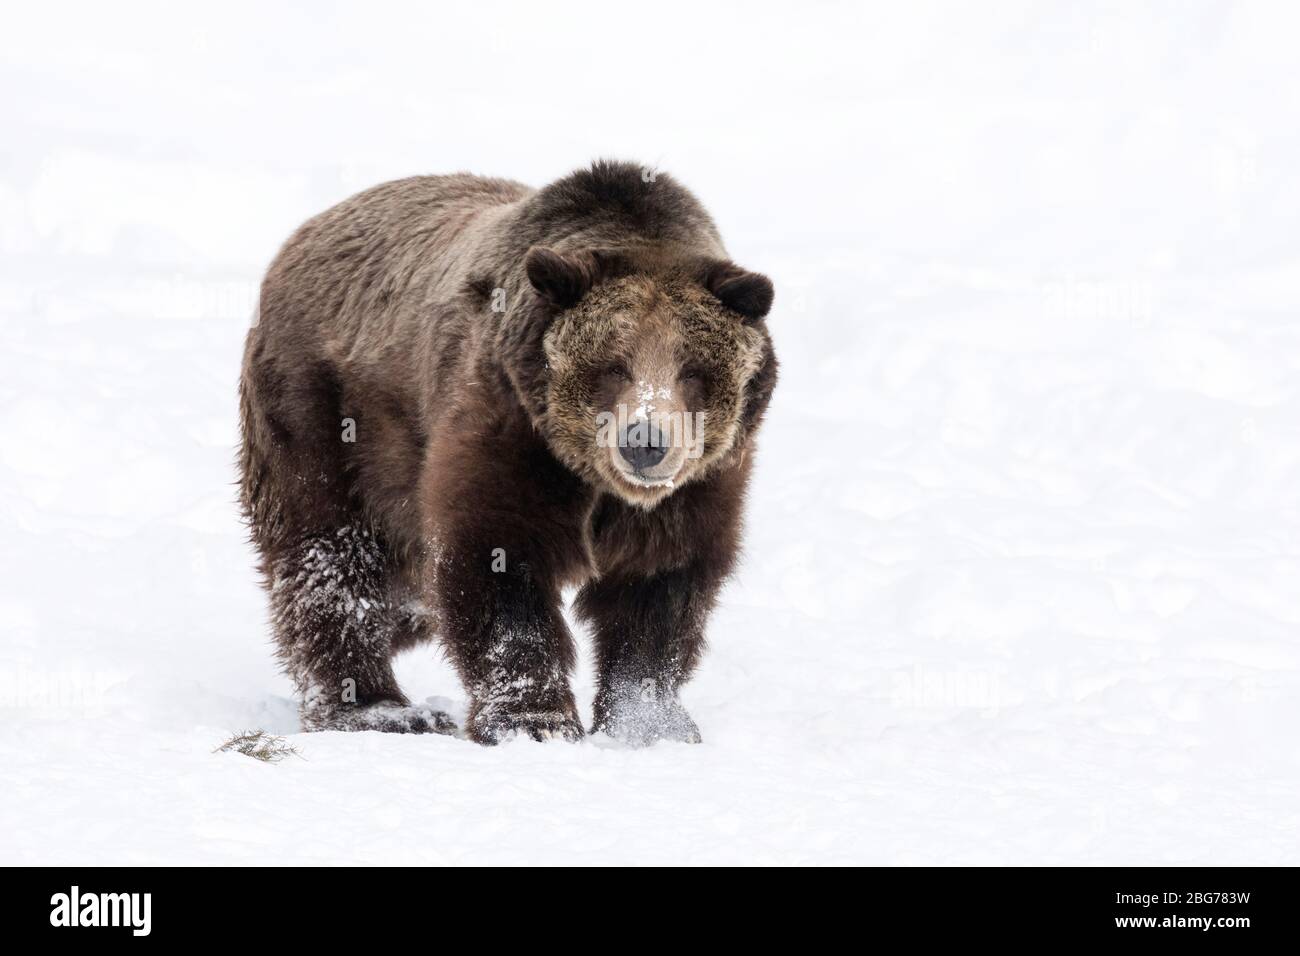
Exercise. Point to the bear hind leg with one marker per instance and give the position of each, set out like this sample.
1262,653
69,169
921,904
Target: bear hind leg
335,626
331,577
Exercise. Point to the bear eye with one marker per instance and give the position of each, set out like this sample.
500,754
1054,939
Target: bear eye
618,370
691,373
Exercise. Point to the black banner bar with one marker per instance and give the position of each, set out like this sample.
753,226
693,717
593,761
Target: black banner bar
1225,906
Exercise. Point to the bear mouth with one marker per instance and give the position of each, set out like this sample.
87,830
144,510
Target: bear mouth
639,480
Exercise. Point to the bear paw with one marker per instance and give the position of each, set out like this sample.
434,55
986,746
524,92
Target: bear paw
492,724
388,718
640,723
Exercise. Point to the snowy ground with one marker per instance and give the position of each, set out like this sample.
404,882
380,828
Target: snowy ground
1023,569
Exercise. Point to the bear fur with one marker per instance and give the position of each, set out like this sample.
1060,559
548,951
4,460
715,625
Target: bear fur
419,402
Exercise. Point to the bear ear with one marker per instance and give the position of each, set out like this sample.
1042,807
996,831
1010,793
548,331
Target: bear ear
749,293
560,279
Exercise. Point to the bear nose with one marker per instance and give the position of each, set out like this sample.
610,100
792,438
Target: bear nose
642,446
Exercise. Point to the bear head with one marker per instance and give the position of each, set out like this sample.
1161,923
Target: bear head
653,371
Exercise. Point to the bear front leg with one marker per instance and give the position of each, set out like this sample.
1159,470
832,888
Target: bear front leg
649,633
501,624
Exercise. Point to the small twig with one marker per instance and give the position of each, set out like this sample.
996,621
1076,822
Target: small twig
259,745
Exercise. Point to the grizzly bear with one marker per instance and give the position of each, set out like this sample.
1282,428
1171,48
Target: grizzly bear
461,395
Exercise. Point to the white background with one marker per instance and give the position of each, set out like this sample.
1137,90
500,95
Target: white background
1022,580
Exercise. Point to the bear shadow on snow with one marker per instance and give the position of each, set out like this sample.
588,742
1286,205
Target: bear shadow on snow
461,395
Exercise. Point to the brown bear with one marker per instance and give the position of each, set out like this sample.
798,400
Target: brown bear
462,395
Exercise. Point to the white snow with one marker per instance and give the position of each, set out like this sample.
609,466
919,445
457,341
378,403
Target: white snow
1022,580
